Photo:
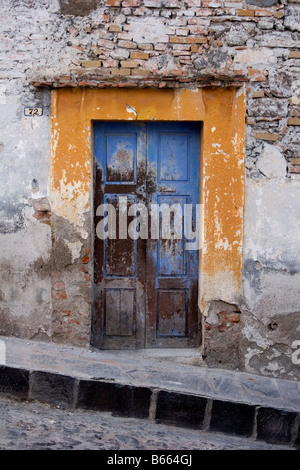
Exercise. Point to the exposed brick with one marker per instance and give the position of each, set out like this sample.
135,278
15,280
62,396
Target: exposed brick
131,3
182,31
294,113
252,72
266,136
205,12
242,12
110,63
113,3
59,295
262,13
121,72
85,259
188,40
60,285
127,44
211,3
115,28
217,44
258,94
294,121
64,78
129,63
294,169
295,161
139,55
279,14
294,55
140,72
91,63
198,29
161,47
181,53
146,47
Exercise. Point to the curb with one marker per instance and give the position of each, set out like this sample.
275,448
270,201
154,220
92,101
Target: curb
271,425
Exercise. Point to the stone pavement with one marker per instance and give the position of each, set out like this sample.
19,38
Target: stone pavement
172,387
39,426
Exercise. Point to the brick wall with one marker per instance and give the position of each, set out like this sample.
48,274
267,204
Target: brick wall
168,44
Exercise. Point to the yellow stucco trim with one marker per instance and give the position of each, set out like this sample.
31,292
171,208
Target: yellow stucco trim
222,112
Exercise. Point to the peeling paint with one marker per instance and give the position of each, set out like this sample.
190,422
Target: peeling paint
130,109
75,249
222,220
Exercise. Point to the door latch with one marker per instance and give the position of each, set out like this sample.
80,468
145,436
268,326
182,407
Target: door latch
141,189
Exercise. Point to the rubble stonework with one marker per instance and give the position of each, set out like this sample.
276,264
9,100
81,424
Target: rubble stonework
46,267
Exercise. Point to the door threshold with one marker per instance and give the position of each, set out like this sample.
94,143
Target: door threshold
189,356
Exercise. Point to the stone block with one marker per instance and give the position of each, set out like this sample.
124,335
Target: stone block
180,410
271,162
123,400
232,418
275,426
14,382
267,107
52,388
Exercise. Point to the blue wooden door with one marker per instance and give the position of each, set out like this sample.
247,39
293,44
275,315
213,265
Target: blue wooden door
146,278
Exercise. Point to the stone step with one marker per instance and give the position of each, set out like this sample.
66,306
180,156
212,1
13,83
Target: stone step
166,386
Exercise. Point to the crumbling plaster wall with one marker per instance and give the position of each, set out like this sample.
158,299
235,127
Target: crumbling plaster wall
45,264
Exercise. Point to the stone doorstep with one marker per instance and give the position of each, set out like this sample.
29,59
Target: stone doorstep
166,407
223,414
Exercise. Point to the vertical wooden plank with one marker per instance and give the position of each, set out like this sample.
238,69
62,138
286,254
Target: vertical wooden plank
120,154
172,271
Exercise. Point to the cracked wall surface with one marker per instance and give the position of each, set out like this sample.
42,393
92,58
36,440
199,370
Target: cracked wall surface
46,257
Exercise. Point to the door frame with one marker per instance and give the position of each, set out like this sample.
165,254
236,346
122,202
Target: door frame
222,113
148,282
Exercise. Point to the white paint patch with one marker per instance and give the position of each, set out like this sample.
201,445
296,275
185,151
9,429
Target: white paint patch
240,91
130,109
223,244
272,163
75,249
213,129
257,57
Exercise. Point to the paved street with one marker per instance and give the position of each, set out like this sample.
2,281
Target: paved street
34,425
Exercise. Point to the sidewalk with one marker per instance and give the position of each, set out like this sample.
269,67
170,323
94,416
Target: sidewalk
166,386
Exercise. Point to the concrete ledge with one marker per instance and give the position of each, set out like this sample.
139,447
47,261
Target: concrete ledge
128,384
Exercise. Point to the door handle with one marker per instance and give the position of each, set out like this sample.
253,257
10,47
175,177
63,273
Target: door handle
141,189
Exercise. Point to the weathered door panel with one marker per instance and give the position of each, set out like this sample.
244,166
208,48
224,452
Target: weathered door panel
146,289
172,271
119,308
